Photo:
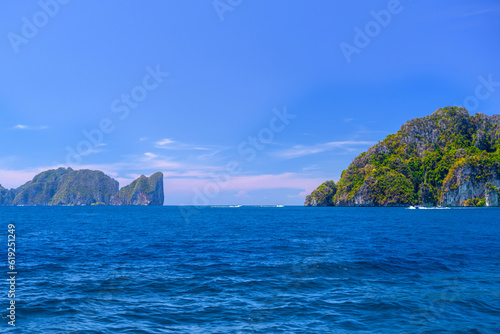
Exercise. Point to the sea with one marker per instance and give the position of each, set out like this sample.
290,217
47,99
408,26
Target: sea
251,269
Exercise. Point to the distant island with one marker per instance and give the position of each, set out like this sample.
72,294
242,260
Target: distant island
446,159
65,186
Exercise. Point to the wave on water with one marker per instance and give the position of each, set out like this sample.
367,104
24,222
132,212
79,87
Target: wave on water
256,270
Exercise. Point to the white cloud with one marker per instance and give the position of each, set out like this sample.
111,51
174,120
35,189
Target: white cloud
463,12
303,150
242,193
309,168
29,127
165,142
14,178
170,144
181,179
491,10
244,183
150,155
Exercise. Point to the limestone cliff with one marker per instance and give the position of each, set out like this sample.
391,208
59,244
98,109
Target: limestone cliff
491,195
448,158
323,196
471,178
143,191
6,196
65,186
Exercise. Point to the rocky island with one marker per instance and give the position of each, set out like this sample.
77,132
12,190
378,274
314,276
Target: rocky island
143,191
446,159
65,186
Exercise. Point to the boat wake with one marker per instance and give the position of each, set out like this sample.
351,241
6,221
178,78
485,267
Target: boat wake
418,207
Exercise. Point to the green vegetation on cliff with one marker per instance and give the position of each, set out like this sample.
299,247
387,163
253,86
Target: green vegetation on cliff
84,187
445,159
323,196
65,186
474,202
6,196
143,191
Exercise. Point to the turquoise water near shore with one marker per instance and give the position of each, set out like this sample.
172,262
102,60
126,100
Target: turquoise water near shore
254,270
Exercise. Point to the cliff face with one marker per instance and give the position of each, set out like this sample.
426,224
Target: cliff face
41,189
323,196
491,195
85,187
143,191
6,196
65,186
447,158
469,179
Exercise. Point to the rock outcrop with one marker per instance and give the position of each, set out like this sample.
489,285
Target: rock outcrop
143,191
65,186
491,195
6,196
323,196
446,159
468,180
426,195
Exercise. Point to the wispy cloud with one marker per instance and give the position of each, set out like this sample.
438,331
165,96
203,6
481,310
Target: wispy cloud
303,150
165,142
150,155
29,127
242,193
246,183
170,144
149,162
309,168
461,13
89,152
14,178
181,179
486,11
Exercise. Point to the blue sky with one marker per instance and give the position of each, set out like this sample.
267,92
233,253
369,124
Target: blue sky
236,102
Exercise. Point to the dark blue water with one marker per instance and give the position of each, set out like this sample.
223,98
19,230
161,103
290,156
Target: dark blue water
254,270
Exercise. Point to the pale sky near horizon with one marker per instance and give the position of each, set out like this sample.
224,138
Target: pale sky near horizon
288,92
